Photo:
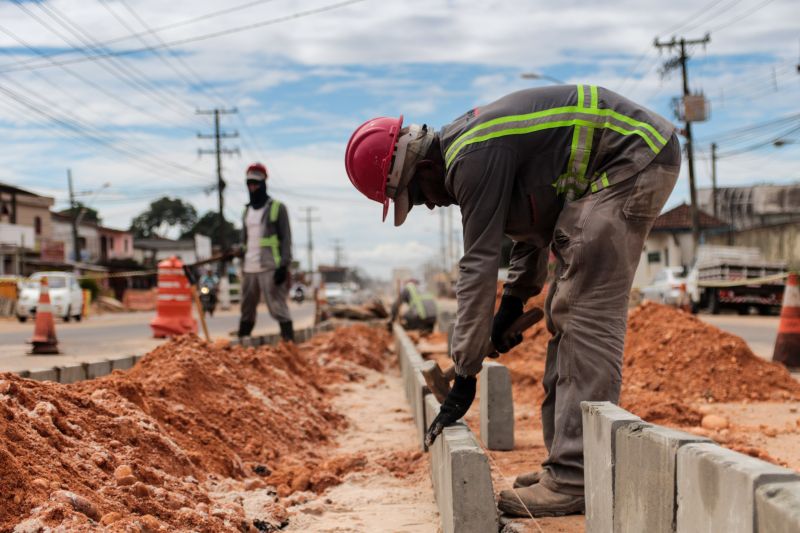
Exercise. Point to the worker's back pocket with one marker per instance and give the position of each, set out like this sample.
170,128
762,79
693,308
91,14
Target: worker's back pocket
650,192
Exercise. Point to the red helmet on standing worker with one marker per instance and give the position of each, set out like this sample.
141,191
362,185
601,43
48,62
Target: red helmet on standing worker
256,171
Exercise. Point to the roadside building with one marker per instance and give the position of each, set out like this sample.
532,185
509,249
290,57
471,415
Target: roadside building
670,242
149,252
763,216
24,227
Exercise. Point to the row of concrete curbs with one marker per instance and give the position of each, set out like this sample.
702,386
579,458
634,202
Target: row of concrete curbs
644,477
81,371
460,471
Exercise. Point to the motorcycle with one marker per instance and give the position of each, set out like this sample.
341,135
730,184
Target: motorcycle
208,297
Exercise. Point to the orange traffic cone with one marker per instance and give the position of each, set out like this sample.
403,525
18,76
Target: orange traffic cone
44,334
787,345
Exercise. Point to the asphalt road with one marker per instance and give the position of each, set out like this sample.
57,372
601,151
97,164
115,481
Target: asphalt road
119,334
759,332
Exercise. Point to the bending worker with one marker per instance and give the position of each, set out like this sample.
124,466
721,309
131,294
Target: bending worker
267,239
576,169
421,313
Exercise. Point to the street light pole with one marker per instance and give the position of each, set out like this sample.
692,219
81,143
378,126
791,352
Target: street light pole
537,76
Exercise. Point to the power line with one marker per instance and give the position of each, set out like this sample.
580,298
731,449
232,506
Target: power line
162,28
742,16
128,74
212,35
92,84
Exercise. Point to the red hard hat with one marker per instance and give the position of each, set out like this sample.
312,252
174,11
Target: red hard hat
256,168
368,157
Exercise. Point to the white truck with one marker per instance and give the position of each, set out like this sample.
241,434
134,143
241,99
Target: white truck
719,280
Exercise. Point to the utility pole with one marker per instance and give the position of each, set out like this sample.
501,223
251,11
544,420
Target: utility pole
76,244
218,151
337,252
714,178
308,219
669,65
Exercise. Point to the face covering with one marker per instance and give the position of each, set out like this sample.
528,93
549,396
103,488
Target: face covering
258,197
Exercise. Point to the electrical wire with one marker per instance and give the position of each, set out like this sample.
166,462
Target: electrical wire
741,16
196,38
99,88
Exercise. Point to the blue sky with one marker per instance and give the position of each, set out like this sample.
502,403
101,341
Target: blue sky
302,85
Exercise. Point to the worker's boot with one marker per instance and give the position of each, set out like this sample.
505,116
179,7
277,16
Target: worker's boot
287,331
245,328
538,500
526,480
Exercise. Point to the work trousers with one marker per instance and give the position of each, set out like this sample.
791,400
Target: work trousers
597,242
275,296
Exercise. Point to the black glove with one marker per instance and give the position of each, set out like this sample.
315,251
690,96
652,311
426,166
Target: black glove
510,310
237,251
455,406
280,275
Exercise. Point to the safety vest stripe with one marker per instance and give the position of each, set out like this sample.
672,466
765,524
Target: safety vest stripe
274,210
416,300
558,124
598,118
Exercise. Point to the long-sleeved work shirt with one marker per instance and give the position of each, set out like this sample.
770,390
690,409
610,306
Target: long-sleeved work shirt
511,166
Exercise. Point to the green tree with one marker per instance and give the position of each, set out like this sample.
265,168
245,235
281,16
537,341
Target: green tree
163,215
89,214
208,225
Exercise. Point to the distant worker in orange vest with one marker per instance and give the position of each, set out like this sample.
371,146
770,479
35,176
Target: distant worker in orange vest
421,313
267,254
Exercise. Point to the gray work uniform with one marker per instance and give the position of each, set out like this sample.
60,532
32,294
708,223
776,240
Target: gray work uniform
276,250
581,171
422,310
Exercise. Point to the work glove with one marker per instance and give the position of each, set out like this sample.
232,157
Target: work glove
510,310
455,406
279,277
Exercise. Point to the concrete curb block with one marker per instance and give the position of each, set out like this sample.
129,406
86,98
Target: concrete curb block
97,369
601,420
496,407
44,374
462,479
717,488
122,363
645,476
71,374
778,508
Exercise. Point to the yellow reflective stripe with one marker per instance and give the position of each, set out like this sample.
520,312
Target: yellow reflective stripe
416,301
274,210
595,117
272,242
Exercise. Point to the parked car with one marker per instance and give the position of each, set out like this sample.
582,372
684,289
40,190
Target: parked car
666,287
66,297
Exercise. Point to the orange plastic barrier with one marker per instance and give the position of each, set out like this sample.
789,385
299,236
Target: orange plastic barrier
787,345
44,332
173,302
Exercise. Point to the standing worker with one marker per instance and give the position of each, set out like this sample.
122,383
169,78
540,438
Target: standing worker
267,240
421,314
577,169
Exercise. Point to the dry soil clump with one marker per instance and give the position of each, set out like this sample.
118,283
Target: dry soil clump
146,450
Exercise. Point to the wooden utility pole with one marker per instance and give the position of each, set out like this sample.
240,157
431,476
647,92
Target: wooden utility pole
681,61
218,151
76,243
714,178
308,219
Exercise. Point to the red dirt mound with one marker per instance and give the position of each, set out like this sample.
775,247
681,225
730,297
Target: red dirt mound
135,448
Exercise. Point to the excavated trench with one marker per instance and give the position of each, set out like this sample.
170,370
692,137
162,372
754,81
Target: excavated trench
207,437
